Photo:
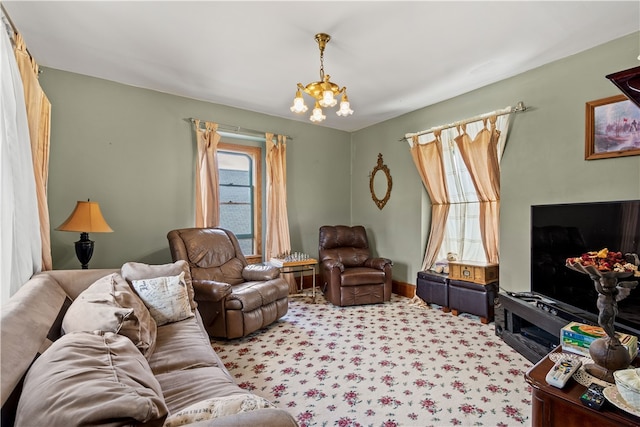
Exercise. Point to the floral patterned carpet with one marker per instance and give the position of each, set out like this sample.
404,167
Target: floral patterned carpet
393,364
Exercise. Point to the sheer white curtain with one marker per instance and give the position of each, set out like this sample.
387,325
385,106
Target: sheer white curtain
462,234
20,242
462,231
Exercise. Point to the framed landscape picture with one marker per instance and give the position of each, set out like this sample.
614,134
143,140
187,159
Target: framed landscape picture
612,128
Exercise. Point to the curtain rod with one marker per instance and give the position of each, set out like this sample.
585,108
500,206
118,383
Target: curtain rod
11,28
240,130
519,107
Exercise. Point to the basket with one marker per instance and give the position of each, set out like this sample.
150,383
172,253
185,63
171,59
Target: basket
628,383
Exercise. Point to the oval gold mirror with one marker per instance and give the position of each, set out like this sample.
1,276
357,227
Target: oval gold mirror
380,183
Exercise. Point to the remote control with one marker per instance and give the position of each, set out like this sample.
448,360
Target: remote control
593,397
522,294
562,371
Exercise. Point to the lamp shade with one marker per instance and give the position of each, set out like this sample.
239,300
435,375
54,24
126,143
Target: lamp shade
86,218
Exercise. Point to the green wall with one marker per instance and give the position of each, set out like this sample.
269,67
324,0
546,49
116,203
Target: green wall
133,151
543,161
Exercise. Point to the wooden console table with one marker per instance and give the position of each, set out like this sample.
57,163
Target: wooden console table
303,266
551,406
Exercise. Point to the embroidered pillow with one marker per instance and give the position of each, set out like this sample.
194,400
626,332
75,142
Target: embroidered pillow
137,271
216,408
166,298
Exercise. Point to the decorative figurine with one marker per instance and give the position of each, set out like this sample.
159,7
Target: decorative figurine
607,353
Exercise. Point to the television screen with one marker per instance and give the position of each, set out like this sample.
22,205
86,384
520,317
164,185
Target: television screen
561,231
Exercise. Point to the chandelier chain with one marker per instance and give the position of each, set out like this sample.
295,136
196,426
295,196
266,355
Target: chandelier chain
321,64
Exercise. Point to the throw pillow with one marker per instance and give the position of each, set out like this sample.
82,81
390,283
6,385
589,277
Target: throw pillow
91,379
137,271
166,298
216,408
110,305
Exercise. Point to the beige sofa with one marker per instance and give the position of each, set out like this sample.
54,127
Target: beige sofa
54,373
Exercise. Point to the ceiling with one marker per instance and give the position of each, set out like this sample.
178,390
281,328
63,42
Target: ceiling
394,57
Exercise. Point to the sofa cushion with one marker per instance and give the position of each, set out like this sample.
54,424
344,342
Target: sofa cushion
166,298
216,408
110,305
182,388
138,271
91,379
180,346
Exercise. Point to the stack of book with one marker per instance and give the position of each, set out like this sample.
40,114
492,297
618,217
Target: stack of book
577,337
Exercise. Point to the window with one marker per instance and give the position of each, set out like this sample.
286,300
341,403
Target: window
462,235
239,168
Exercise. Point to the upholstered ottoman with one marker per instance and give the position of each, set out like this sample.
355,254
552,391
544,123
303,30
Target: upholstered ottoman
433,288
473,298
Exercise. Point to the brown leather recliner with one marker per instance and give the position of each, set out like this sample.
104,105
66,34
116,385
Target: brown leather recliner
348,274
234,298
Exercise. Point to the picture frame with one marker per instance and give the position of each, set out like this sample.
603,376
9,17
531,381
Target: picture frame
612,128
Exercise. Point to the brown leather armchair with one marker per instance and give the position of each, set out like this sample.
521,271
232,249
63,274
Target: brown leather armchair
234,298
348,274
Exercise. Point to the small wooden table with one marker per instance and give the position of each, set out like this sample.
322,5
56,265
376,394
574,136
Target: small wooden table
302,267
551,406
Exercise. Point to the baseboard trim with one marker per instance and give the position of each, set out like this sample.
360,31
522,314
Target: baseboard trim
403,289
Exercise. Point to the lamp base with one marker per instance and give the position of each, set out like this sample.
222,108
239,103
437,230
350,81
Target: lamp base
84,250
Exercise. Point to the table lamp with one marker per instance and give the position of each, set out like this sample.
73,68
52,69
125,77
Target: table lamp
86,218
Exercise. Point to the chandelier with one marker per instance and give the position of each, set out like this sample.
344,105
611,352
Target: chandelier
323,91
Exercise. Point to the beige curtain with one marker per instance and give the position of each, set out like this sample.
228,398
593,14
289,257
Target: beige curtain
428,160
278,239
480,156
39,119
207,189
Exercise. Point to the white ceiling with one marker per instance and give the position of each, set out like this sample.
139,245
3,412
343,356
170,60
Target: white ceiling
394,57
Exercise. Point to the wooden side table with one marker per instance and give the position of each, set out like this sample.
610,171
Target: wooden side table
302,267
553,406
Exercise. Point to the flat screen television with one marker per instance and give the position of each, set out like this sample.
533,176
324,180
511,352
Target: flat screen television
560,231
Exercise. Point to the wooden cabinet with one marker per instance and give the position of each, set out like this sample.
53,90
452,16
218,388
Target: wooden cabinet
482,273
554,407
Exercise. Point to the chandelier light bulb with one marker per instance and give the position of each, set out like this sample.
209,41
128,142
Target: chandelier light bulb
345,107
327,99
317,115
298,103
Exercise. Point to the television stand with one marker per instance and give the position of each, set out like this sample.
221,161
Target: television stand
528,329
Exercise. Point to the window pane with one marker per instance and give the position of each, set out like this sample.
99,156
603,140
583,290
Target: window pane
237,218
233,194
234,177
240,194
246,245
236,168
236,198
